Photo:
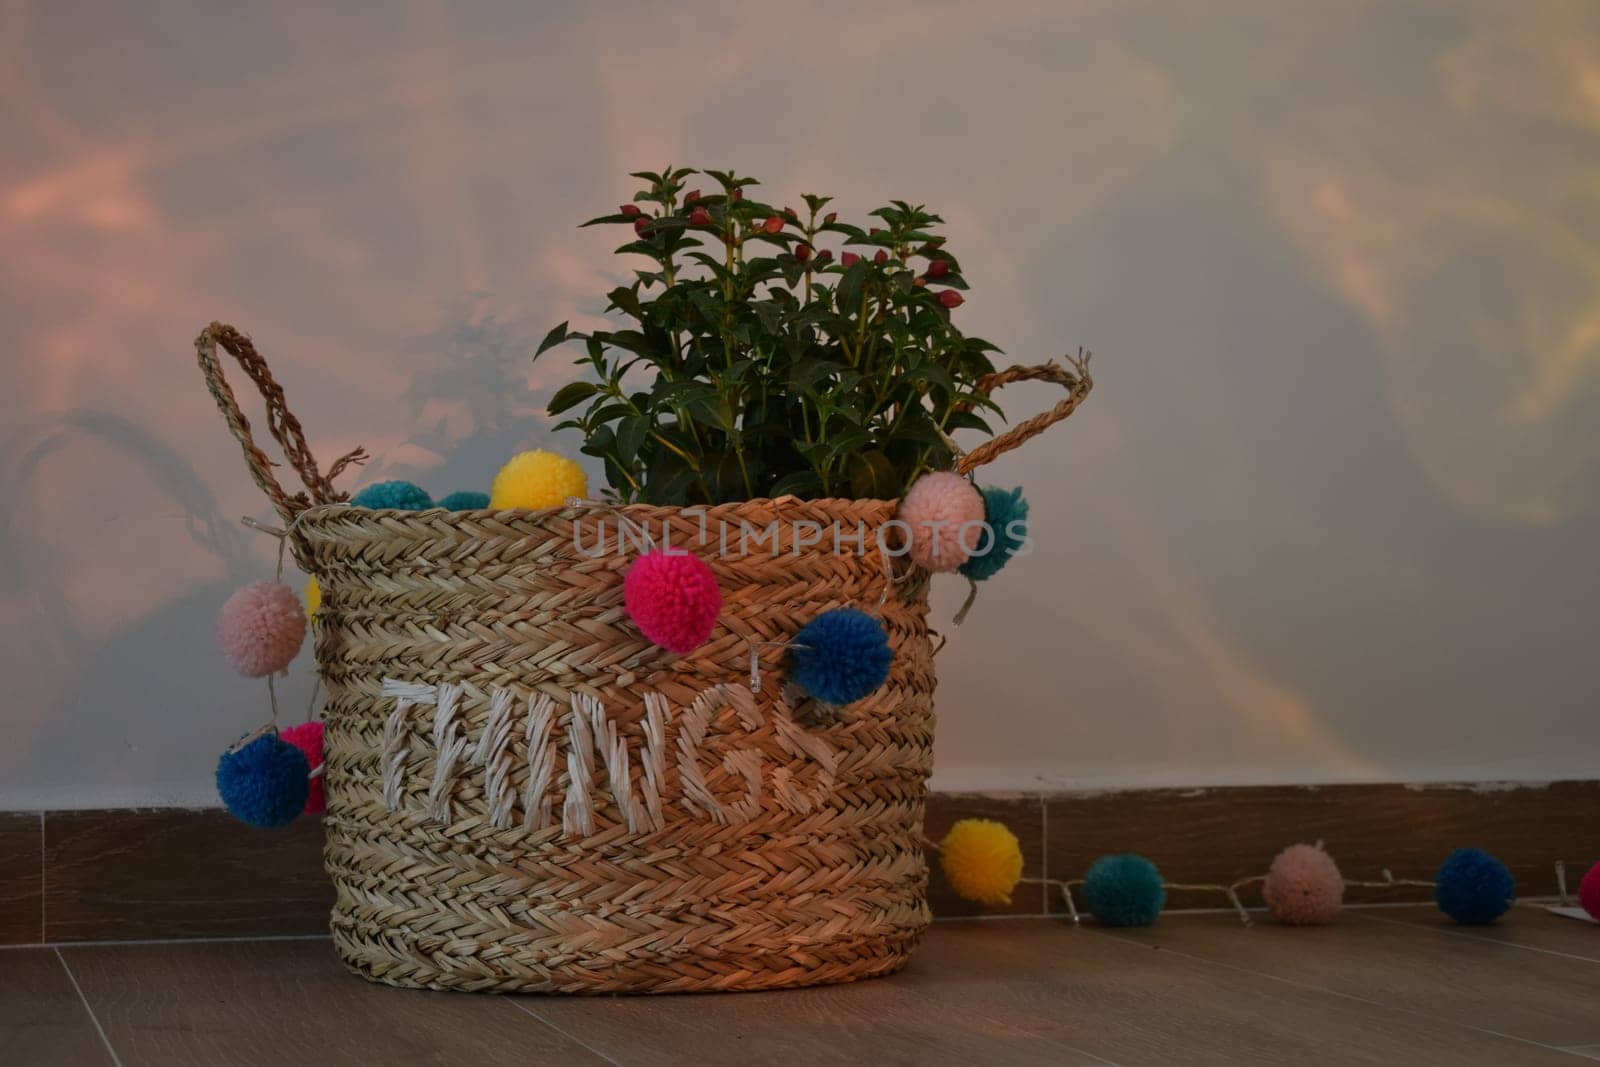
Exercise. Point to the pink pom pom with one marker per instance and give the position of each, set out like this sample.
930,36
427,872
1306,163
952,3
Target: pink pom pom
1304,887
1589,892
307,737
261,628
945,513
673,598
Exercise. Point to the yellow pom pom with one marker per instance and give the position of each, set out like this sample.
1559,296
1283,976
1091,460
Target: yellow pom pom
537,479
313,598
982,860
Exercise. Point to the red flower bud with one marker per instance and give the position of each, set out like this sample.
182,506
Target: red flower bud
825,256
630,210
849,259
951,299
700,217
830,218
882,256
938,268
875,230
641,226
691,196
919,282
773,224
737,195
802,252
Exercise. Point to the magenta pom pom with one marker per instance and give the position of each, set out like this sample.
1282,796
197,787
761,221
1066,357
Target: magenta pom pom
307,737
261,628
673,598
1304,887
945,513
1589,892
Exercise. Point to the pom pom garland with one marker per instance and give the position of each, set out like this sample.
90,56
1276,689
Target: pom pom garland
1123,890
673,598
465,500
265,783
537,479
945,515
261,628
393,496
307,737
841,656
1589,892
1303,887
1474,888
982,860
1006,512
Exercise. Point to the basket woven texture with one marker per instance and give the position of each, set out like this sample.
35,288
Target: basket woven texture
526,795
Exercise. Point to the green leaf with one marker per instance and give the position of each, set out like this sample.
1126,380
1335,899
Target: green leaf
551,339
623,298
631,433
872,476
570,395
796,483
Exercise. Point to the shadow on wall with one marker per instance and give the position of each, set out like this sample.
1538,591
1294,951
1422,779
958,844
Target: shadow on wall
471,401
113,592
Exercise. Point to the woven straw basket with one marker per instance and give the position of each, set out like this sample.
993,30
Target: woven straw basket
524,794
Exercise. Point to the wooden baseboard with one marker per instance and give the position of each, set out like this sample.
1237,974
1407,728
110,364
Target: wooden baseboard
128,874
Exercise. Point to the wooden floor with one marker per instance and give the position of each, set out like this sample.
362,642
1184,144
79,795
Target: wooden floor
1384,986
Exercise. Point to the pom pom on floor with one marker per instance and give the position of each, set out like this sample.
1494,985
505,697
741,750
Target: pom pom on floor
982,860
537,479
1303,887
945,514
307,737
265,783
1473,887
843,655
1007,515
465,500
313,595
395,496
673,598
1123,890
261,628
1589,892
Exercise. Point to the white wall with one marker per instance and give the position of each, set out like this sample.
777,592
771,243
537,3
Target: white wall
1331,513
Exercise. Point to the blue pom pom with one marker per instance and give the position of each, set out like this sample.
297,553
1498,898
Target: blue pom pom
844,656
1006,514
400,496
1123,890
1473,887
265,783
465,500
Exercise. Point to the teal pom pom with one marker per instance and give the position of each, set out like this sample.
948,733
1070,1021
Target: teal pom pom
465,500
399,496
1006,514
265,783
843,655
1473,887
1123,890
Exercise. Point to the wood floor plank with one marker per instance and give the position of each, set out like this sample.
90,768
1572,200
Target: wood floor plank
277,1002
1526,925
42,1017
1139,1004
937,1011
1535,996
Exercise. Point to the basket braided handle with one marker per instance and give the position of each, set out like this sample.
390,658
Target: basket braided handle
1075,379
285,428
